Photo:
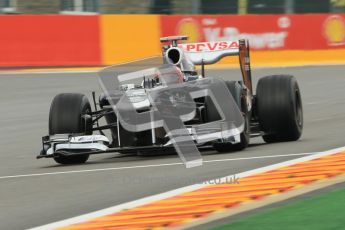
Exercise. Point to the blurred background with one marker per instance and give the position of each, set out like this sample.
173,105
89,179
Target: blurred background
55,33
170,6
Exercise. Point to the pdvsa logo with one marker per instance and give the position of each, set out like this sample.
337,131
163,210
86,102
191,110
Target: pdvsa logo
210,46
334,30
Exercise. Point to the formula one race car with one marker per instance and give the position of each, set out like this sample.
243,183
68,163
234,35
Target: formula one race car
164,104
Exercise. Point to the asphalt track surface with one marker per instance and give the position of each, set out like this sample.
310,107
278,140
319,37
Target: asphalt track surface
32,200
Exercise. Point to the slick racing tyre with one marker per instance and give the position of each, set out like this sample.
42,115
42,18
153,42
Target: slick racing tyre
279,108
66,116
236,90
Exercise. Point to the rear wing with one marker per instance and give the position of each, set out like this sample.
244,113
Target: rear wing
210,52
205,53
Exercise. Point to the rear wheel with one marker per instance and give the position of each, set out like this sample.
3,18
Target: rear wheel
279,108
66,116
236,91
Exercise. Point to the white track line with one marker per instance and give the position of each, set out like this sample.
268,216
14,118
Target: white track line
175,192
148,166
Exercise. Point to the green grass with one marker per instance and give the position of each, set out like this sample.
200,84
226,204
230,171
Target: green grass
326,211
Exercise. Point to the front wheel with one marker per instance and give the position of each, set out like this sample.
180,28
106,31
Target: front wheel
66,116
235,90
244,137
